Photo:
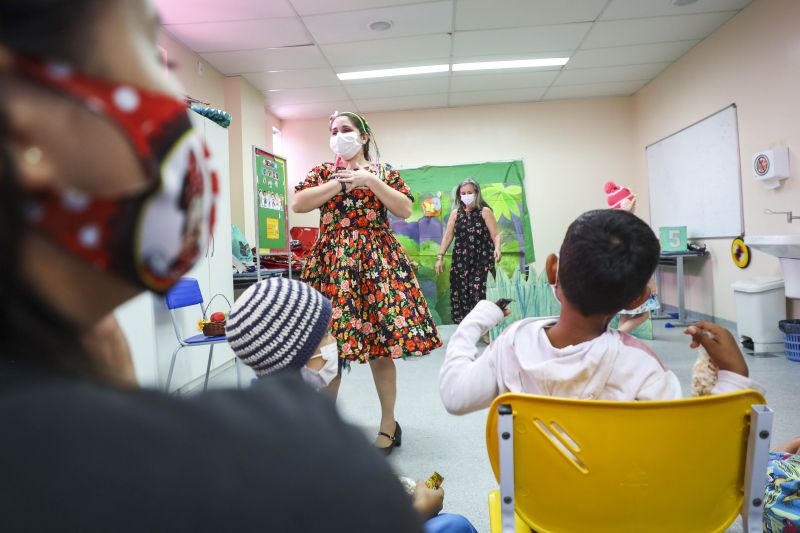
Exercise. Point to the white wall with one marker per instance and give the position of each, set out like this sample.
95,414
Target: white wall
253,127
570,148
252,123
753,61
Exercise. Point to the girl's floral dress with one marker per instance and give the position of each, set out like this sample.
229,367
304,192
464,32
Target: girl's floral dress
378,307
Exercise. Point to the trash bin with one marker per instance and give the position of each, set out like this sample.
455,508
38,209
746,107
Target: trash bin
760,305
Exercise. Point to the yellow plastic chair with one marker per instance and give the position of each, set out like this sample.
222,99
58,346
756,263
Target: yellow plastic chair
678,466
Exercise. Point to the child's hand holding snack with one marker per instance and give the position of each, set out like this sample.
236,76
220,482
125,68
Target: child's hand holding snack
722,348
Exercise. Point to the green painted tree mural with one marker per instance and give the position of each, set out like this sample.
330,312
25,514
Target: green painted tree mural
421,234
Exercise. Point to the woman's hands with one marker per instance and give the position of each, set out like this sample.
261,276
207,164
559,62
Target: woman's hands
439,266
497,255
357,178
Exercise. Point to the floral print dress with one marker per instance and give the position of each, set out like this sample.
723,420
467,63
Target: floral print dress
378,307
473,259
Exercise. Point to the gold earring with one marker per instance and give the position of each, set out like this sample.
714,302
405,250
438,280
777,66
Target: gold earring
33,155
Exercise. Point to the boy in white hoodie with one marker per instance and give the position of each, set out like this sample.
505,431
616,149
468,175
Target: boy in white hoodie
605,262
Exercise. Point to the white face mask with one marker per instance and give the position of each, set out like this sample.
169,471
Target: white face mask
319,379
345,144
468,199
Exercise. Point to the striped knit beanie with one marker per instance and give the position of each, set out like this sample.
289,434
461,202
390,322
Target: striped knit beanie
278,323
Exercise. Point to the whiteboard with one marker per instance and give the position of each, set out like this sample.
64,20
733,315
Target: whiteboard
695,178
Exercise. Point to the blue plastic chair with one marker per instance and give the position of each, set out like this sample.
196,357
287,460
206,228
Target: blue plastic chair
186,293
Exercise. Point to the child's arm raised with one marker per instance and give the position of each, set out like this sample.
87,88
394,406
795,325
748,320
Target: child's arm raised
468,382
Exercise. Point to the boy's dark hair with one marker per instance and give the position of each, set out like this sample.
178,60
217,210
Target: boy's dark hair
606,260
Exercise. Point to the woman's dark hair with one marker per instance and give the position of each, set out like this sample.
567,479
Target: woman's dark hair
31,332
362,126
606,260
480,203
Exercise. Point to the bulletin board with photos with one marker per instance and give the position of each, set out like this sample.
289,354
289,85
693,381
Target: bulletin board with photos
271,207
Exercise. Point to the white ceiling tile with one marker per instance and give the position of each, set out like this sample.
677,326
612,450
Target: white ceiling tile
397,87
388,51
630,9
232,63
497,97
654,30
519,40
418,19
313,110
240,35
621,88
484,14
317,7
583,76
629,55
368,105
497,81
293,79
192,11
305,96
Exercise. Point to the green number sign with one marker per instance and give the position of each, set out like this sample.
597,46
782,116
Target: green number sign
673,239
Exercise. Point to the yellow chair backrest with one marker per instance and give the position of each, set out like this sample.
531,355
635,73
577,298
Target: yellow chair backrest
600,466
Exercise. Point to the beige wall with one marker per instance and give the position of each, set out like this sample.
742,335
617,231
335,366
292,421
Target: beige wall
246,105
205,85
570,148
252,124
753,61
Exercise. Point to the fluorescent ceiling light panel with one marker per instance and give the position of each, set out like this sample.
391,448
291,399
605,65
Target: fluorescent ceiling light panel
387,72
521,63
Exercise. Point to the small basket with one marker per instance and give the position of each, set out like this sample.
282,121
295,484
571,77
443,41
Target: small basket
791,340
214,329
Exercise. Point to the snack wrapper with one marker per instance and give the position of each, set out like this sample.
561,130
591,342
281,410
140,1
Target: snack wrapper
435,481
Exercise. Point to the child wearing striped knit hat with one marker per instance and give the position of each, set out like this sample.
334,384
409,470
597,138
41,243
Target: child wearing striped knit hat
282,325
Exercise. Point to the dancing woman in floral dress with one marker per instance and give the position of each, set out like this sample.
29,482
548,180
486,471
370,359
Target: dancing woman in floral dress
379,312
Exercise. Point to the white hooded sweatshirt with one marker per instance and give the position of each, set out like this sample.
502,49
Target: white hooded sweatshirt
613,366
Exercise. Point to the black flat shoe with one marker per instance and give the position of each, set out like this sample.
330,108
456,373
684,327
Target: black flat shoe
397,439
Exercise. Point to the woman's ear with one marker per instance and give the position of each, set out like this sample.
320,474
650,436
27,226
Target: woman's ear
551,268
642,298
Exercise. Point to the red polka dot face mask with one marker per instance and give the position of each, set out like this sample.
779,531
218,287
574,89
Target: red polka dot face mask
154,236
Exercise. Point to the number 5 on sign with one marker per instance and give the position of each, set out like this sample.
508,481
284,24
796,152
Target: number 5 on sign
673,239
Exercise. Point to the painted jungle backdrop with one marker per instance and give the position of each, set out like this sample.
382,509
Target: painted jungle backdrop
434,189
